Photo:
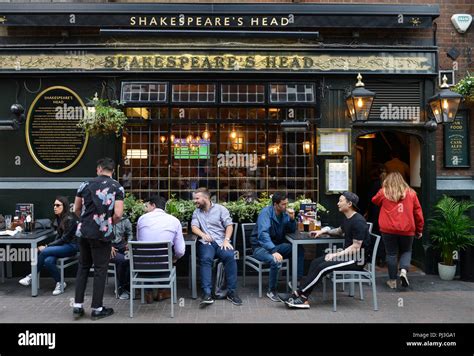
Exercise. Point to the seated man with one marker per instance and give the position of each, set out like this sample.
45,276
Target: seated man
357,240
213,224
158,226
123,233
268,239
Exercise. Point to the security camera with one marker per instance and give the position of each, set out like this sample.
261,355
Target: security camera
17,109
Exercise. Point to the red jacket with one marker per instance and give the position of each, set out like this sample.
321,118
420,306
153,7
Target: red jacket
402,218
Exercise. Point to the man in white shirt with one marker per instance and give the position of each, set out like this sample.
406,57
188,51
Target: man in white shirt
158,226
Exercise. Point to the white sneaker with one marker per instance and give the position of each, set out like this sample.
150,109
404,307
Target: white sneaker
404,278
57,290
26,281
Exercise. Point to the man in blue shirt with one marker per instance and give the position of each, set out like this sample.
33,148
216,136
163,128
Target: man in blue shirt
268,239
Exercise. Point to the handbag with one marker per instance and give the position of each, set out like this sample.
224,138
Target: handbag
220,284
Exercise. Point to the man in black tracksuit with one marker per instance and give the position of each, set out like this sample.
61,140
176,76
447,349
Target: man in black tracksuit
357,239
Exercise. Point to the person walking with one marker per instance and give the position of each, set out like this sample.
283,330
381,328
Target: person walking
400,220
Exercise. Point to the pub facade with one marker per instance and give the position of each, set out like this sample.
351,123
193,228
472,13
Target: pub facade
242,98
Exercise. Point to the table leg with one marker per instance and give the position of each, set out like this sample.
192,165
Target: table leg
9,266
34,269
193,271
294,266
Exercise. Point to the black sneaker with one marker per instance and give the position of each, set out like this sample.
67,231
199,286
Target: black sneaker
234,298
273,295
284,296
297,302
206,300
105,312
78,313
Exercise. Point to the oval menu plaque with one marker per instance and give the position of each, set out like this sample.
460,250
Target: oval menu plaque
52,136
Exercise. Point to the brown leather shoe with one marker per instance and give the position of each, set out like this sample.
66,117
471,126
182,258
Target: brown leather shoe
163,294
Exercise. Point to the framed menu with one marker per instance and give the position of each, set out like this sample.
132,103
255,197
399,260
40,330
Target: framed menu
334,141
456,142
338,175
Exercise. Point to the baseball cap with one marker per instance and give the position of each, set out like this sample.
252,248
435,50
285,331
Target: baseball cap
353,198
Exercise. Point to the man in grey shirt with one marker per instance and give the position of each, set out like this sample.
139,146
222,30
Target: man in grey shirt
213,224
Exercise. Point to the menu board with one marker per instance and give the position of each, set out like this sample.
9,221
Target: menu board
334,141
338,176
456,142
22,210
53,138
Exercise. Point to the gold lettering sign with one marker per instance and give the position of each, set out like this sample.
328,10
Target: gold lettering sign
183,21
383,62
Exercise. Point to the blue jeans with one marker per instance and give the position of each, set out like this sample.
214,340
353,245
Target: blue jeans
283,249
50,254
207,253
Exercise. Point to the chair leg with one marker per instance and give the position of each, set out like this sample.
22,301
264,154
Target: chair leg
243,273
116,283
142,291
175,286
61,267
352,287
334,294
287,278
361,290
260,283
172,301
374,295
2,272
324,288
132,295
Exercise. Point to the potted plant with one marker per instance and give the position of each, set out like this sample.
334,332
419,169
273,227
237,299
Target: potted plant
180,209
465,87
133,208
450,230
102,118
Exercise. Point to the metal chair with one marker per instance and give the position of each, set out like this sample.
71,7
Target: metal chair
256,265
63,263
367,275
216,260
151,266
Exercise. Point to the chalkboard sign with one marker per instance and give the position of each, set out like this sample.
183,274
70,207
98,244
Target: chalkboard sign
53,138
456,142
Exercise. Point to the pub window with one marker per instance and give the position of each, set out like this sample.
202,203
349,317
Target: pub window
291,93
194,93
242,93
149,92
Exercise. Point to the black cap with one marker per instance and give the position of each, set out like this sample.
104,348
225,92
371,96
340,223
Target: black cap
353,198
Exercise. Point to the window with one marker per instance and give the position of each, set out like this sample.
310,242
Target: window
291,93
149,92
194,93
242,93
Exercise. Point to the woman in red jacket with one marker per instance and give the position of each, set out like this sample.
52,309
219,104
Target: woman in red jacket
400,220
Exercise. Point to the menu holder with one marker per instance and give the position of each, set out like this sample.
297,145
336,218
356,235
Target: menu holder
338,175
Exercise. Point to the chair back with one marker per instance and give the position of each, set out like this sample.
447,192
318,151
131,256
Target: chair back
374,252
247,229
235,226
370,226
150,256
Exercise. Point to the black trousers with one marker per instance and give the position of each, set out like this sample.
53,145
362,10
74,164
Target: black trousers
92,253
319,268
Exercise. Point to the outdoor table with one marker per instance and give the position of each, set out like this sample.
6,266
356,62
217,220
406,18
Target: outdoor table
303,238
32,239
190,240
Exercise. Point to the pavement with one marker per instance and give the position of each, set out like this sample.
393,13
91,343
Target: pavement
427,300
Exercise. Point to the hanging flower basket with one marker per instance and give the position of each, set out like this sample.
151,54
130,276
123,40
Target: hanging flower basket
465,87
102,118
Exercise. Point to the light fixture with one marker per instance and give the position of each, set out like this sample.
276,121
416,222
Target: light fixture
137,154
233,133
206,134
264,157
13,123
445,104
368,136
307,147
359,101
162,139
189,138
172,137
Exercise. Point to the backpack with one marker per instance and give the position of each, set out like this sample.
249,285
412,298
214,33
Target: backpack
220,284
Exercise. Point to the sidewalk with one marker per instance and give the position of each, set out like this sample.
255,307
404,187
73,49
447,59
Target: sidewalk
428,300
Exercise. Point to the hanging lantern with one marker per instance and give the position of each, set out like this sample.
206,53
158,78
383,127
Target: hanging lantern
359,102
445,104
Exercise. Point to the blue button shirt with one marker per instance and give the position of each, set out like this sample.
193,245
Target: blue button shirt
271,229
212,222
